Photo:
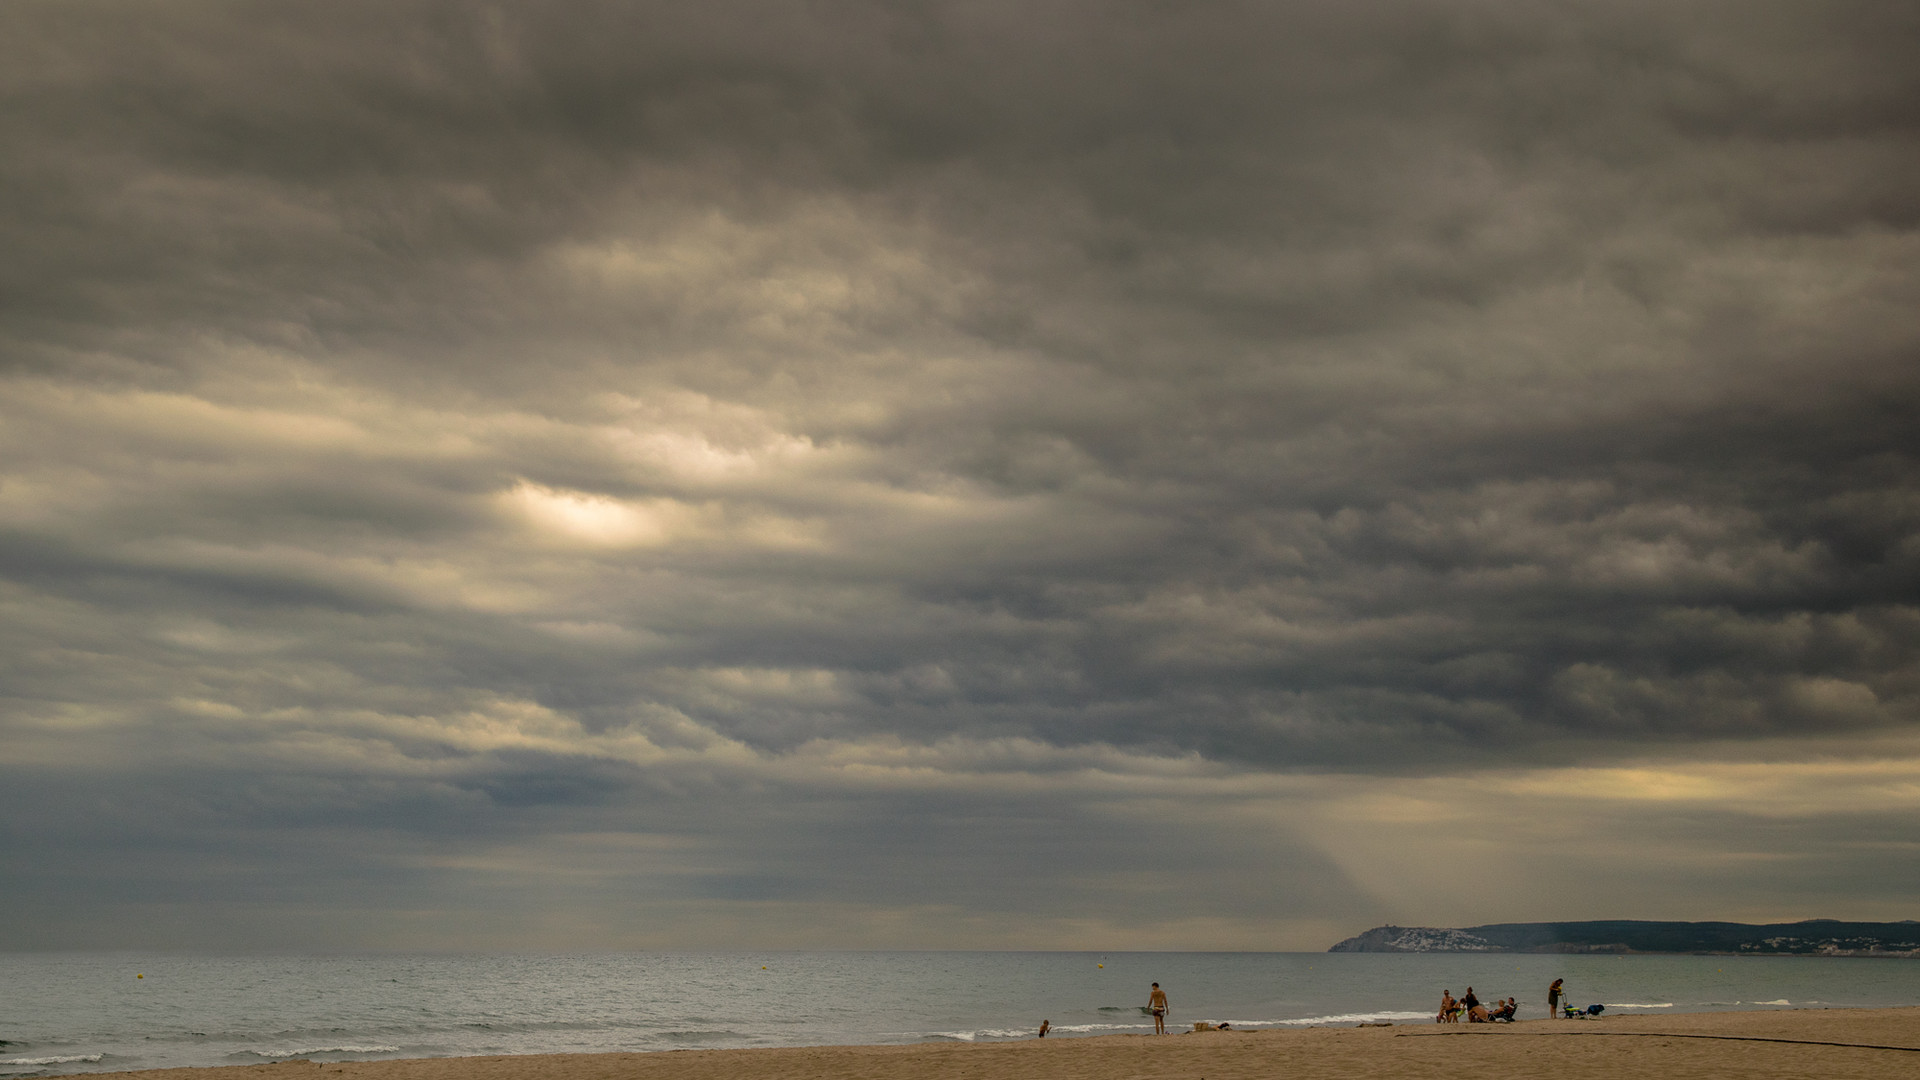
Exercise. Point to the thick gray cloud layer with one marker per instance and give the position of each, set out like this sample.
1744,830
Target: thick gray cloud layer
575,474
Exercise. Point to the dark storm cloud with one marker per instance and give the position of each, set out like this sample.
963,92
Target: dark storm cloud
457,432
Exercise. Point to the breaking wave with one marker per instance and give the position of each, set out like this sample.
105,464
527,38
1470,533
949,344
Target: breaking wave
1336,1018
982,1033
309,1051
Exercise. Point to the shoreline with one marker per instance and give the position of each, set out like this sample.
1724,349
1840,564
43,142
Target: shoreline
1837,1043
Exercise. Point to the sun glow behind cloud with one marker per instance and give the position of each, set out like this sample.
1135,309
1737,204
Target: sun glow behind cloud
597,519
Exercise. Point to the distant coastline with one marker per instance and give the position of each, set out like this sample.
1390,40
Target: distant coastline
1814,937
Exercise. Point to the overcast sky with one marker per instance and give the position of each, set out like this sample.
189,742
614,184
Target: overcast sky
980,475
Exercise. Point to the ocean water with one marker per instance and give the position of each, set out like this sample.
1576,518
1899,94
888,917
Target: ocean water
78,1013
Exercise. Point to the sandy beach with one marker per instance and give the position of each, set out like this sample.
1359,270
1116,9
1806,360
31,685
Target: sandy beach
1826,1043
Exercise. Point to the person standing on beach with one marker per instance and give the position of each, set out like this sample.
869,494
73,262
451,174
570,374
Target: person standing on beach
1157,1005
1553,999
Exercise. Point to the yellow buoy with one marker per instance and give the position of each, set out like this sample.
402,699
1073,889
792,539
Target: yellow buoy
1100,965
139,976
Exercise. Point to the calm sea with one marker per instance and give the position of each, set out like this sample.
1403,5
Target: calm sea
76,1013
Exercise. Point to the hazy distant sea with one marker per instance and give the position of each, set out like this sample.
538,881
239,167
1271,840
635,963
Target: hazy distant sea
71,1013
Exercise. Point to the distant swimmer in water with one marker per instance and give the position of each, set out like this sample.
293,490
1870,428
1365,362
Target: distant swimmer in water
1157,1005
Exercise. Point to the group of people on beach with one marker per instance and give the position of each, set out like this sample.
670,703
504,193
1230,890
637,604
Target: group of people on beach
1476,1012
1503,1009
1451,1009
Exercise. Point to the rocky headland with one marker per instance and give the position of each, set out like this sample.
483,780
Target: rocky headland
1815,937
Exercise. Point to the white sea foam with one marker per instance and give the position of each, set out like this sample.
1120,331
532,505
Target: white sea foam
1637,1005
1782,1001
309,1051
983,1033
1336,1018
1028,1033
61,1059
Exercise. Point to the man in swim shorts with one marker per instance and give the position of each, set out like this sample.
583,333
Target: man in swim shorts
1157,1005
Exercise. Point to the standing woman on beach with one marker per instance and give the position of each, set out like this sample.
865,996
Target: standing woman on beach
1553,999
1157,1005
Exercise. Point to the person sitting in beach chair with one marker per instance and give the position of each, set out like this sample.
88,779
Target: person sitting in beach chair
1505,1011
